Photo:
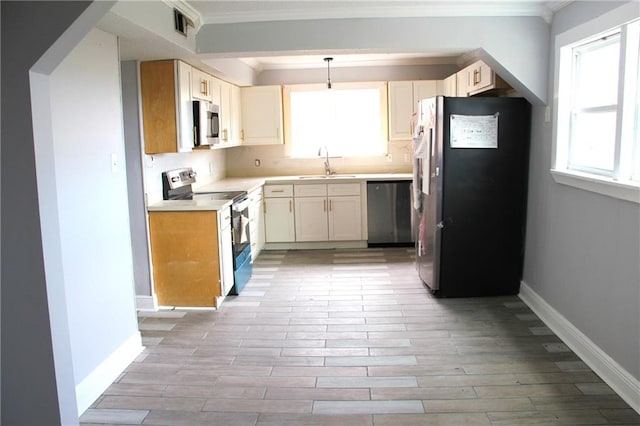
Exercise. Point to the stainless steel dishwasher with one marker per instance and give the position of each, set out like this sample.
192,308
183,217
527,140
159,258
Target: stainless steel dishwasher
389,213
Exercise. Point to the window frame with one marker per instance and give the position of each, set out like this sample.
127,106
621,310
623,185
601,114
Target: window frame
379,85
618,184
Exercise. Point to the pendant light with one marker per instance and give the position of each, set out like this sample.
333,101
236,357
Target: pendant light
328,60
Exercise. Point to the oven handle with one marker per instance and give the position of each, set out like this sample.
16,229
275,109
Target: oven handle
241,204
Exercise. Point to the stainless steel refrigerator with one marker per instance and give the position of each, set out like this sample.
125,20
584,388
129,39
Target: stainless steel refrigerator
471,162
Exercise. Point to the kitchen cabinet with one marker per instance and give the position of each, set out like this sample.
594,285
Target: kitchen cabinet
461,84
450,85
167,114
236,114
204,87
191,255
279,218
261,115
328,212
403,99
478,78
256,222
311,210
226,111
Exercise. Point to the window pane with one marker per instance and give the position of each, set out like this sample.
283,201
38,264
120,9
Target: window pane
597,65
346,121
593,141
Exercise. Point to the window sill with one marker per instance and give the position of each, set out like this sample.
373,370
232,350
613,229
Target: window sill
600,185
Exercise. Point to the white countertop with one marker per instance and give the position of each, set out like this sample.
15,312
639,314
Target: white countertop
189,205
251,183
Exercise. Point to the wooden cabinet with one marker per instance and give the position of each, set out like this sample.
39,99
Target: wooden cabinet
279,218
403,103
261,115
191,257
256,222
167,114
328,212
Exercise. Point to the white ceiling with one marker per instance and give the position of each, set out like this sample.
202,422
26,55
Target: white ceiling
237,11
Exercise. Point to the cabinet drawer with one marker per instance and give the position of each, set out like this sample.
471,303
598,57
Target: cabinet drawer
311,190
277,191
344,189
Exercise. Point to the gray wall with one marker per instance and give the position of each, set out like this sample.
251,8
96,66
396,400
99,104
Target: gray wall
135,187
583,248
517,47
28,376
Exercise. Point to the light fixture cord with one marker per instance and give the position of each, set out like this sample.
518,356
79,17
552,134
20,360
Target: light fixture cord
328,72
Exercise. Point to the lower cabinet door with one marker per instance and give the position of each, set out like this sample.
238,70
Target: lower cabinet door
279,226
226,260
345,218
311,219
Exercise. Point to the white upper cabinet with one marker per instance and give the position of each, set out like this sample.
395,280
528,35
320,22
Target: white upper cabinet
226,112
236,114
450,85
403,103
201,85
261,115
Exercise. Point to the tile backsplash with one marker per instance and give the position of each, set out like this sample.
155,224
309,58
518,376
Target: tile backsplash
241,161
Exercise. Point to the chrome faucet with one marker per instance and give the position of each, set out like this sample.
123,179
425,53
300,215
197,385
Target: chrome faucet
327,166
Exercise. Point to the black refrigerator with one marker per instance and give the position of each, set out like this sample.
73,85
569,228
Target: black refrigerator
471,162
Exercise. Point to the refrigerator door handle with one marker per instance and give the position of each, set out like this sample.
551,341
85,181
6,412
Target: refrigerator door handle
440,225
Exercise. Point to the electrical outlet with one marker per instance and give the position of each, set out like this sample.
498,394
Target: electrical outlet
256,162
389,157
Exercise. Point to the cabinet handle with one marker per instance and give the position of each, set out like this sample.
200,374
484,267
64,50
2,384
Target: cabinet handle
290,206
330,205
242,134
203,87
264,208
324,205
277,190
476,76
277,132
224,134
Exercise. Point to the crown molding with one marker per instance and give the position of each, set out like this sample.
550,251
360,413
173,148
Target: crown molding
387,10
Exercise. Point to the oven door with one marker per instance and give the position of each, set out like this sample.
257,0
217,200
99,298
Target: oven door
242,267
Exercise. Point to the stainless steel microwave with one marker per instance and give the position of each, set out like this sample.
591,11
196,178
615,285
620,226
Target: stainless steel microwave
206,123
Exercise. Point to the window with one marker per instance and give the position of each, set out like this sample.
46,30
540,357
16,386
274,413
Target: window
598,109
349,119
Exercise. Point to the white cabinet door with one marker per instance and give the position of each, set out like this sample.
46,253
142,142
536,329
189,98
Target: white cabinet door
345,218
279,220
423,90
461,84
450,85
226,256
236,115
256,222
400,110
261,115
311,219
403,103
200,85
225,112
184,106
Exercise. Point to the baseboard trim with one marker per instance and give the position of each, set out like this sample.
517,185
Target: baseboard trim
146,303
89,389
313,245
619,379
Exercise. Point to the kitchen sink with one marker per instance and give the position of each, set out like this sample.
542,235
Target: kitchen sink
326,176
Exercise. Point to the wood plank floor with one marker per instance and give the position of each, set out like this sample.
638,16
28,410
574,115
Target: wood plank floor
352,337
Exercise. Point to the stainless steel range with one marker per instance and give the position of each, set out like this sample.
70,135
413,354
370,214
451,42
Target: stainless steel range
177,185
